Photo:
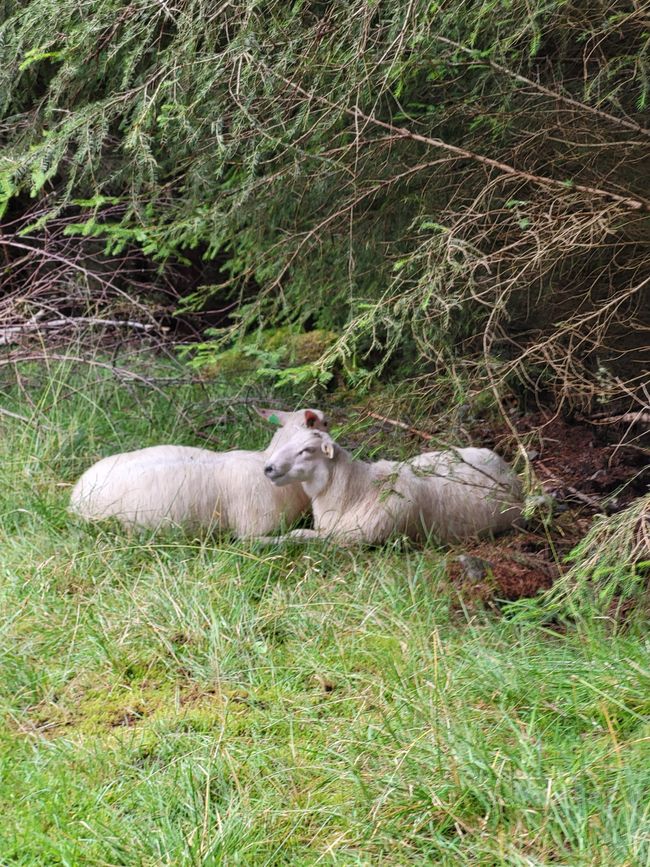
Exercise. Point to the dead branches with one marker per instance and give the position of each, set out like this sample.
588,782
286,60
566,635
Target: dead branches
12,333
56,285
552,94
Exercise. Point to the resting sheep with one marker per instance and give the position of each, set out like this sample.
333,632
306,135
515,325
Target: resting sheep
195,488
450,495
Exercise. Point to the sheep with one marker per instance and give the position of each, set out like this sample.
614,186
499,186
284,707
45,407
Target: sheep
194,488
451,495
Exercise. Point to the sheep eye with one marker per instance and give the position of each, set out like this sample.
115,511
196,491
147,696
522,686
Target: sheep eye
308,451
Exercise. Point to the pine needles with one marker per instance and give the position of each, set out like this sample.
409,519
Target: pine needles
462,178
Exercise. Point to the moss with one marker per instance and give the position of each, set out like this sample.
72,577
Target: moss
270,349
105,707
102,708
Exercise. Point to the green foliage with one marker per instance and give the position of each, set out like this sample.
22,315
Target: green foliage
350,165
609,569
282,356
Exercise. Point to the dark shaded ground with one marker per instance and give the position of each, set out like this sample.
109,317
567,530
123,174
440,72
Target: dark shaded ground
587,469
603,466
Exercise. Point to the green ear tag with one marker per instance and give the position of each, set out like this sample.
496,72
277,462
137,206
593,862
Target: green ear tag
274,419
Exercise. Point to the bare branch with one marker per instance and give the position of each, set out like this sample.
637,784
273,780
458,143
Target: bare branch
9,333
403,132
582,106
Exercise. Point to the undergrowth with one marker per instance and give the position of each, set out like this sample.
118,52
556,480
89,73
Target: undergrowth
183,702
609,568
460,185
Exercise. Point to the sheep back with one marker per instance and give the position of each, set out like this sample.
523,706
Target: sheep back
466,492
193,488
450,495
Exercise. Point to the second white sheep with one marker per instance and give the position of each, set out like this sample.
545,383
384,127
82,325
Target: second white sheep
449,495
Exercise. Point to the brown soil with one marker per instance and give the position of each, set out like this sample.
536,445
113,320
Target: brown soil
588,462
587,470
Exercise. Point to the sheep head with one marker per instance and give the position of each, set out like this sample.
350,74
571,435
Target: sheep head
303,458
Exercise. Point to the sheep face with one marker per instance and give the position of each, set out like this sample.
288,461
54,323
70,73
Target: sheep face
304,458
313,419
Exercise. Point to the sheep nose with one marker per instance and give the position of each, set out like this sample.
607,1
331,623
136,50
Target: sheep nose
268,469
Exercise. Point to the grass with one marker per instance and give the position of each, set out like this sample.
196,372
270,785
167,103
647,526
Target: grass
202,702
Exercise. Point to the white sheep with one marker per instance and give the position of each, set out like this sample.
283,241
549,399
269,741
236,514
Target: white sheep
450,495
194,488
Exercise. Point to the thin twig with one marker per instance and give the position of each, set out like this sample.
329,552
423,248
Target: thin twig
403,425
630,124
26,420
585,498
627,417
121,372
11,414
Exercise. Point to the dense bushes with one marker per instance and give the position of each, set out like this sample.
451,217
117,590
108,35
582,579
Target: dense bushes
465,178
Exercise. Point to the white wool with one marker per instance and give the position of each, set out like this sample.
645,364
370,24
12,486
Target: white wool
450,495
194,488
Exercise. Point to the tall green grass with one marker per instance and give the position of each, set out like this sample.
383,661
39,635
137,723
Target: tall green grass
203,702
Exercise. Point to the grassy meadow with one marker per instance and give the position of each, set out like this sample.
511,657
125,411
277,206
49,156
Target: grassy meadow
179,701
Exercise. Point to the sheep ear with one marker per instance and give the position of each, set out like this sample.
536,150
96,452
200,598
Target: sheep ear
327,447
274,416
311,418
